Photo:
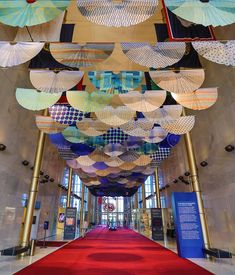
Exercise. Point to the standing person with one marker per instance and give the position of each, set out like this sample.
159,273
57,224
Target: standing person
84,228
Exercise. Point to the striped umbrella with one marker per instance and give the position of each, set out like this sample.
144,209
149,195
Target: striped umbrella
49,81
47,125
31,99
117,13
198,100
77,55
178,82
13,54
217,51
205,12
161,55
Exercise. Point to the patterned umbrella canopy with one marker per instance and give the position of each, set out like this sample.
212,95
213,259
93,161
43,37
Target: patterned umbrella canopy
13,54
161,55
179,126
76,55
137,128
143,102
114,149
33,100
92,127
110,82
205,12
156,135
217,51
115,116
198,100
115,136
88,102
178,82
47,125
30,12
49,81
117,13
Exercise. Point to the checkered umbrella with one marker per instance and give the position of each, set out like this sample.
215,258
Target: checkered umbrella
115,136
76,55
137,128
13,54
161,154
161,55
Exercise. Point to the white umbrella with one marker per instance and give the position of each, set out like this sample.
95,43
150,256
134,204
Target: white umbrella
161,55
178,82
13,54
217,51
49,81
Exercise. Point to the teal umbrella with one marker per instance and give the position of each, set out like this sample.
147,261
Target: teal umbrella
30,12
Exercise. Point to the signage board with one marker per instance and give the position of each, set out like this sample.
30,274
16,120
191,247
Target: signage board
157,225
70,223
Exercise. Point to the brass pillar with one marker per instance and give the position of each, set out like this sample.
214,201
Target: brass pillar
34,186
196,185
89,208
143,196
70,184
136,200
81,208
158,195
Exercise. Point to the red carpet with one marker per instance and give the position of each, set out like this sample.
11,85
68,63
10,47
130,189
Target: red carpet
121,252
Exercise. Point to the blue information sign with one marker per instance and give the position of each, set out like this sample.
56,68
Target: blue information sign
187,225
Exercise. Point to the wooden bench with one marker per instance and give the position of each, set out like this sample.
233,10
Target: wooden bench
13,251
217,253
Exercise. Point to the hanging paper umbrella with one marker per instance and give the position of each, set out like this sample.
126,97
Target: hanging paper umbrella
205,12
114,149
49,81
198,100
82,149
122,82
127,166
167,112
91,127
31,99
179,126
161,55
47,125
117,13
161,154
59,141
143,160
99,156
114,162
85,161
143,102
13,54
115,136
75,55
170,141
156,135
88,102
66,154
182,81
147,148
65,114
102,173
100,165
137,128
217,51
129,156
115,116
72,163
30,12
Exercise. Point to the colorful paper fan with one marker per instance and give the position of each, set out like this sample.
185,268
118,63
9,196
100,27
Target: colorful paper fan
100,165
217,51
114,162
179,82
72,163
143,102
127,166
59,141
137,128
33,100
65,114
161,55
198,100
75,55
66,154
88,102
149,171
49,81
115,116
47,125
167,112
82,149
215,13
99,156
22,13
129,156
109,82
143,160
88,169
156,135
47,32
92,127
147,148
114,150
179,126
13,54
117,13
161,154
85,161
115,136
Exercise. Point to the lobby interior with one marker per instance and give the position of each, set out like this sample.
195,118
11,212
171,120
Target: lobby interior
25,160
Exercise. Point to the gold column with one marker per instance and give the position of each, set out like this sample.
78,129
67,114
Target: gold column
81,208
143,196
196,185
89,208
158,195
70,184
34,186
